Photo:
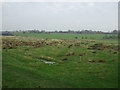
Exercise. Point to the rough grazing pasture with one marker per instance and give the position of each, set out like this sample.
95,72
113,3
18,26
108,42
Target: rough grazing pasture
64,35
79,63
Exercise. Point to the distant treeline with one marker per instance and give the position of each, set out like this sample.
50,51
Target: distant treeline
68,31
6,33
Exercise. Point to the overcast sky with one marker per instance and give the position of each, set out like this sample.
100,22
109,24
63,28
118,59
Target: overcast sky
60,15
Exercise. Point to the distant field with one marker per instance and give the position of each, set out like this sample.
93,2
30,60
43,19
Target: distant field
90,62
65,35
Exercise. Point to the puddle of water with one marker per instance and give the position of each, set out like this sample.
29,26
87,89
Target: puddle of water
47,62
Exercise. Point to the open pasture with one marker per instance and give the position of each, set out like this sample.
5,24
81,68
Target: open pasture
90,62
64,35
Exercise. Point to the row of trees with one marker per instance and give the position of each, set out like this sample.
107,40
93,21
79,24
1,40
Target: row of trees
71,31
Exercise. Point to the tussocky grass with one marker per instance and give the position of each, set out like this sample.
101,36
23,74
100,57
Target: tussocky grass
21,69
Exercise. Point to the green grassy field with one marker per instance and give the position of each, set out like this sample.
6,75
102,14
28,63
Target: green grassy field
88,67
64,35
